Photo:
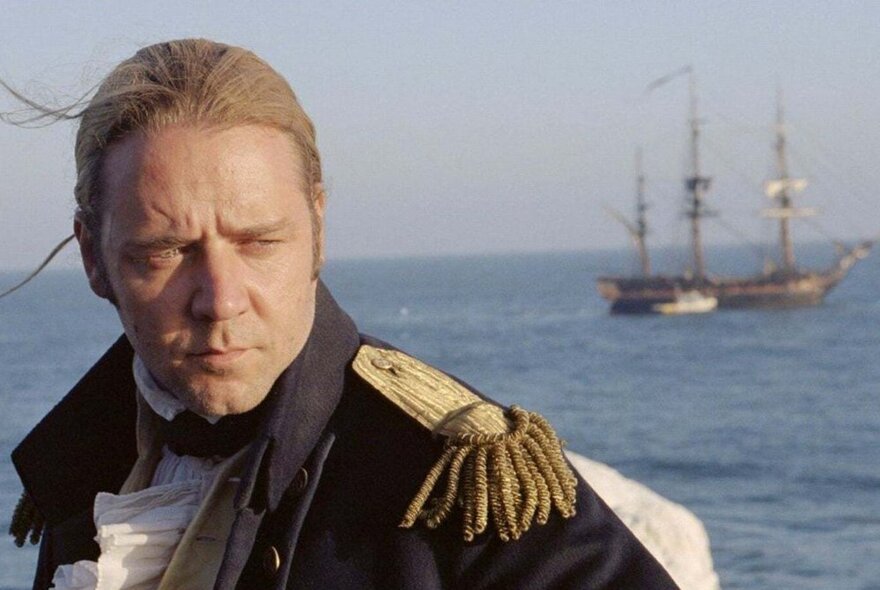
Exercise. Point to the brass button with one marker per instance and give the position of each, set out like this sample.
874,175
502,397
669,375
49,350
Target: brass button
300,481
271,561
380,362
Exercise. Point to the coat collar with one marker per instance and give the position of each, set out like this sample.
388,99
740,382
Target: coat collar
303,400
87,443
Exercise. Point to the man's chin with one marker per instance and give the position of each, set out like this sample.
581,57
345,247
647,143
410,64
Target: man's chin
213,401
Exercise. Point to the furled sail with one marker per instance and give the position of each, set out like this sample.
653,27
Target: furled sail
774,188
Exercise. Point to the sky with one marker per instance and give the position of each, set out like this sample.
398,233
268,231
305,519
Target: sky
482,127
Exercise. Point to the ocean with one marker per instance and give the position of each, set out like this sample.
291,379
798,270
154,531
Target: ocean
764,424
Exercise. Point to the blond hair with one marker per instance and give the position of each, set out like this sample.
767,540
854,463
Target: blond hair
189,81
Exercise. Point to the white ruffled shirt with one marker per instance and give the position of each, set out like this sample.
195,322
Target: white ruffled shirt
139,532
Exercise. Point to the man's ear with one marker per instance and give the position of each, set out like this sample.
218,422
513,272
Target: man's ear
319,201
88,249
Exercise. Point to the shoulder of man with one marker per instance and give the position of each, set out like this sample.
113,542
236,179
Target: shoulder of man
499,482
86,443
501,468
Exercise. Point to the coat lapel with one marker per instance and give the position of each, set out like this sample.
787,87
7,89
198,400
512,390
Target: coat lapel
305,397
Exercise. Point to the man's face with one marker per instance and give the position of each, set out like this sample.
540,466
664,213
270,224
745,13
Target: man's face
207,244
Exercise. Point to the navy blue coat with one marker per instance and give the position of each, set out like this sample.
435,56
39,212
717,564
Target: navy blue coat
328,480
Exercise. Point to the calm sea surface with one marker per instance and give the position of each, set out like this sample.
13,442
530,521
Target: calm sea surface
765,424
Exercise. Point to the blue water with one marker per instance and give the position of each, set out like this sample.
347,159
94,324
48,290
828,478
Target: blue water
765,424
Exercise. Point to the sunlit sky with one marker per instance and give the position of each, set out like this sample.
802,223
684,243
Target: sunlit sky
458,128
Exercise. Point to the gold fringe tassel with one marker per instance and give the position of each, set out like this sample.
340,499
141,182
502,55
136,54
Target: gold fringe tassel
26,520
514,478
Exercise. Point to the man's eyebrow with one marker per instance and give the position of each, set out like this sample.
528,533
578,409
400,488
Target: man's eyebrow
161,243
168,242
263,229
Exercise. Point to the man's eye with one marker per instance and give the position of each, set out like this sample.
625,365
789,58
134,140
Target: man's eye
162,257
261,245
166,254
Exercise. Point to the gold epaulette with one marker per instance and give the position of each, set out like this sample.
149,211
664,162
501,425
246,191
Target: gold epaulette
503,465
26,521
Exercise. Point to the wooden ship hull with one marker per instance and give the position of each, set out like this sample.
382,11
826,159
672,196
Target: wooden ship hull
778,290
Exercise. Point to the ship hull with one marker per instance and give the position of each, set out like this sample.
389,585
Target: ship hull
633,296
641,295
763,300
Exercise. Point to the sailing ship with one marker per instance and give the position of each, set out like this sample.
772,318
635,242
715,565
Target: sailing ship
777,287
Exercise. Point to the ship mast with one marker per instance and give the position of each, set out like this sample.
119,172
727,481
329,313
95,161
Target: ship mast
639,229
641,223
696,184
783,197
781,190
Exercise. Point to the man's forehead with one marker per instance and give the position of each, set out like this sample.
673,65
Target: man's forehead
187,179
144,152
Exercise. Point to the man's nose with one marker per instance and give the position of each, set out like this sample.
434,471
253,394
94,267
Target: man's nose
220,290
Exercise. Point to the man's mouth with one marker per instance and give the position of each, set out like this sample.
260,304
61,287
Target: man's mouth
219,357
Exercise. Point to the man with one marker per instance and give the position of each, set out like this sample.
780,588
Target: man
242,434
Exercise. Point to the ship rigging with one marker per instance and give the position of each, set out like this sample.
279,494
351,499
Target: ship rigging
788,286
